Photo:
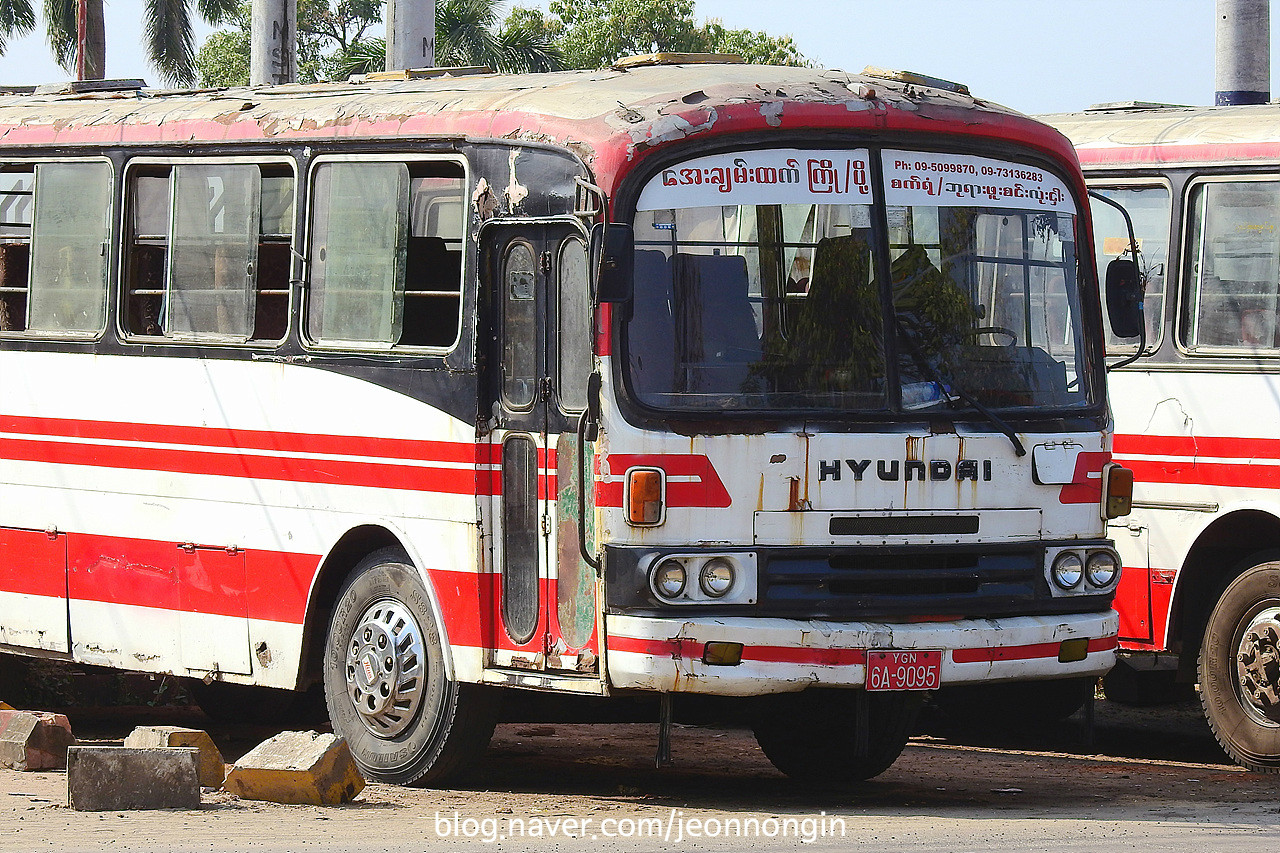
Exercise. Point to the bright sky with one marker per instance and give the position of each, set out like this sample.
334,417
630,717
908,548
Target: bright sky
1033,55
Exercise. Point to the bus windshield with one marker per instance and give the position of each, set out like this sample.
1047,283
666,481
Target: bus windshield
771,295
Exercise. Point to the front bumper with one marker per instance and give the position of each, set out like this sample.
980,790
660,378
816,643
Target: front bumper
787,655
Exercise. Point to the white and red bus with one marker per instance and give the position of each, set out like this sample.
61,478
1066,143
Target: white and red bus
1198,415
293,383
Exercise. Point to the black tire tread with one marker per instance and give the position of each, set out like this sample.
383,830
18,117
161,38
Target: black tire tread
795,732
468,712
1223,729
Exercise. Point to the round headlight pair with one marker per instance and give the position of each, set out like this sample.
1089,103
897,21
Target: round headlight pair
716,578
1100,568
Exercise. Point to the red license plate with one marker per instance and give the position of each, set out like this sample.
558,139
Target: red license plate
914,670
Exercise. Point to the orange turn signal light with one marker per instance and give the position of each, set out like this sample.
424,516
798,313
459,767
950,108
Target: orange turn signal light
722,654
1117,491
1073,650
646,496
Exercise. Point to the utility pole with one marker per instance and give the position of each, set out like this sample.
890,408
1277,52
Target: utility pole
82,38
411,34
1242,64
273,42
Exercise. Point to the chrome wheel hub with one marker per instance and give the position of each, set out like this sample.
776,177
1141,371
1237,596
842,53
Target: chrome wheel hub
386,668
1258,664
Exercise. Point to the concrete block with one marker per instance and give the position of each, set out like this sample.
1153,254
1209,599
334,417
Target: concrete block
210,767
117,778
34,740
297,767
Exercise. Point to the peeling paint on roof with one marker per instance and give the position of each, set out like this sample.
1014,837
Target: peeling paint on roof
606,118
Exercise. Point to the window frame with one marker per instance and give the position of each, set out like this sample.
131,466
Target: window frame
409,159
1172,263
572,406
112,233
1184,301
126,241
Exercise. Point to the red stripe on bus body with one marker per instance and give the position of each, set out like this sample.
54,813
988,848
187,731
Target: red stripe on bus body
458,452
1086,481
1194,447
255,584
707,491
1179,153
1205,474
336,472
682,648
1030,652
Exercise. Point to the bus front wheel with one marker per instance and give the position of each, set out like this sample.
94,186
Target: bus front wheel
1240,669
822,736
385,683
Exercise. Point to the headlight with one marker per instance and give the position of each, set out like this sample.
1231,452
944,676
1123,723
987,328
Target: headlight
1068,569
1101,569
669,578
716,577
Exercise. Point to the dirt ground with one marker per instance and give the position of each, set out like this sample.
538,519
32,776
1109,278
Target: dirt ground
1148,772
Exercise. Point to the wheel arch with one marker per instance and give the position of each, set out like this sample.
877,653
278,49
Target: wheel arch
354,545
1224,549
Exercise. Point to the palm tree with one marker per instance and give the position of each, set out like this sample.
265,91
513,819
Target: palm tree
169,44
467,33
16,19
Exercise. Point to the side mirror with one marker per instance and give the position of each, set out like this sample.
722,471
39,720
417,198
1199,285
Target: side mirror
613,259
1124,298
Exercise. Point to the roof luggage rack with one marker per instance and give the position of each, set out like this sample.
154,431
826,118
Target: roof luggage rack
82,87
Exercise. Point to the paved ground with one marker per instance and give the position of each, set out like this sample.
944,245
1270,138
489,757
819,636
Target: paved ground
1152,780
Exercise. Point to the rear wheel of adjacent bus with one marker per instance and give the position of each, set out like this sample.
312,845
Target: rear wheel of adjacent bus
835,737
1240,669
386,687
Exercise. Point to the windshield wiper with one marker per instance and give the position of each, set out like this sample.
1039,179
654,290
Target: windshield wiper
948,388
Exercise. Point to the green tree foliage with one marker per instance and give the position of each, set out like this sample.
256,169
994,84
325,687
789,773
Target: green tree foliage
17,18
170,41
595,34
334,44
325,30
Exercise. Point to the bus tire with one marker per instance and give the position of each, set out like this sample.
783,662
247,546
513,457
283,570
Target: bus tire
813,737
1246,724
405,722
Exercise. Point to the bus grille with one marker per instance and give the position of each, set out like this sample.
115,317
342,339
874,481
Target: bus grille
883,583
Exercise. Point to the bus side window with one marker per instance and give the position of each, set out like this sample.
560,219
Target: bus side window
209,251
148,251
1232,278
16,188
72,229
275,260
382,274
433,270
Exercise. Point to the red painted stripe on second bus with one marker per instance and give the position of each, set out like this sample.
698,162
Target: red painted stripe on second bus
1193,447
1200,461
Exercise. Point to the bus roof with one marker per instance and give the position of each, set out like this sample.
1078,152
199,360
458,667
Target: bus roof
1133,138
607,117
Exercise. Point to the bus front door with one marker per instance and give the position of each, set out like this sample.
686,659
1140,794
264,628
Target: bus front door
544,596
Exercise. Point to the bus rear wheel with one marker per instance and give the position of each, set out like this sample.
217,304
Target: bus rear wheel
385,683
815,736
1240,669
